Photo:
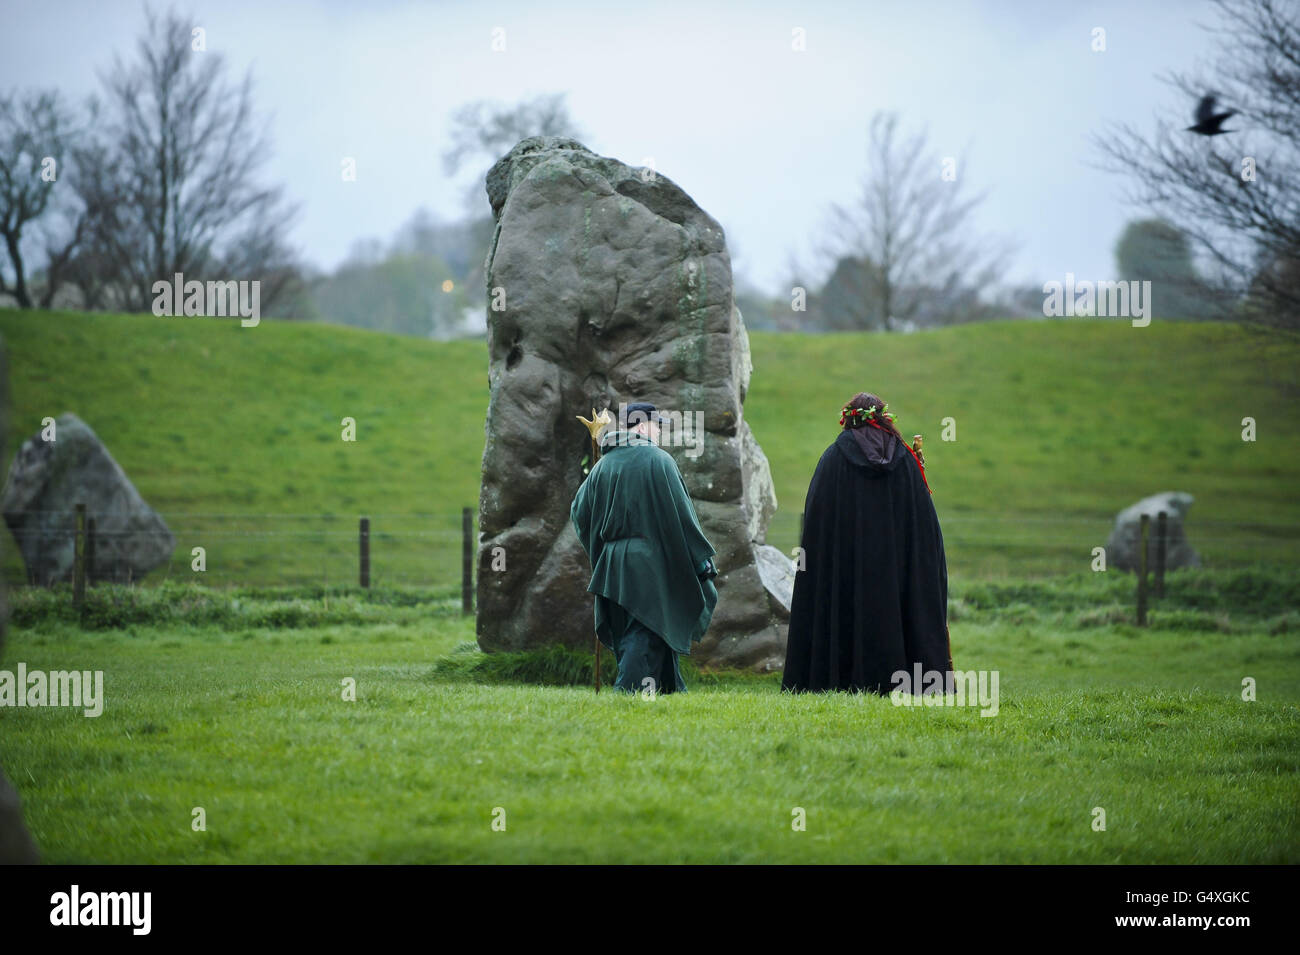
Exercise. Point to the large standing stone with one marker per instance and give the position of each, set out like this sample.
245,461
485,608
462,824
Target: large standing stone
1124,541
16,846
608,284
46,482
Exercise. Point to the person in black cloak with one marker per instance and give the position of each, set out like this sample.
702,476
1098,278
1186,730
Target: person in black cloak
871,596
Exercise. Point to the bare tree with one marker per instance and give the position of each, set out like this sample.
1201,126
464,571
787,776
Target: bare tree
487,130
1237,196
37,130
907,236
171,183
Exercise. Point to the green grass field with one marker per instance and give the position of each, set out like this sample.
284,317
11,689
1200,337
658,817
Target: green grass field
234,434
248,722
228,696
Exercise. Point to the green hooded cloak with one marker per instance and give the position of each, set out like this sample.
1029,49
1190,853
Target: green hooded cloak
635,520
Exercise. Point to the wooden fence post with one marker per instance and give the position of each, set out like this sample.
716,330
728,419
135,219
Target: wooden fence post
1142,571
466,561
364,542
1162,538
79,559
90,551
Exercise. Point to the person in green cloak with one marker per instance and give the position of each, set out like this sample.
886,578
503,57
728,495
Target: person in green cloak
652,566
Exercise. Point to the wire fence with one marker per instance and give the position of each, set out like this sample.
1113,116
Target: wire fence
429,549
227,549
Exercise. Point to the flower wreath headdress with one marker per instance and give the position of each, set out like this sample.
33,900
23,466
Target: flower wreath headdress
858,415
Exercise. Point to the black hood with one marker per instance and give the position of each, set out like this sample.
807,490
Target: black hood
871,449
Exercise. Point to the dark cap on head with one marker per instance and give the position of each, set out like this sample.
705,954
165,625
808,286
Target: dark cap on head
638,411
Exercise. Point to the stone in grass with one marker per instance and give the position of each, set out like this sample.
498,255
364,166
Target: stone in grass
46,482
606,284
1125,538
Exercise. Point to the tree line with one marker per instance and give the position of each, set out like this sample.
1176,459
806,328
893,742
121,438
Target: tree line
162,173
158,174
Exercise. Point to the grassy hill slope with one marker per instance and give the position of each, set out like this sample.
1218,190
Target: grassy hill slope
234,434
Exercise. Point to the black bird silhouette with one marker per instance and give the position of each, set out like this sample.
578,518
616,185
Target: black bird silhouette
1208,122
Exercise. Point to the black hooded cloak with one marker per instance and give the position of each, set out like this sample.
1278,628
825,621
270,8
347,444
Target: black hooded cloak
872,597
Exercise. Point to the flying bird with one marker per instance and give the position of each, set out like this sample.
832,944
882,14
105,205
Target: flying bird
1208,122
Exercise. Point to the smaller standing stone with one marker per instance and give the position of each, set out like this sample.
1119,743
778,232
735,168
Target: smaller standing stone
48,479
1124,541
777,572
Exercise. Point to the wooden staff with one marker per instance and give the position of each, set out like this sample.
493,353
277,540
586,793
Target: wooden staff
595,427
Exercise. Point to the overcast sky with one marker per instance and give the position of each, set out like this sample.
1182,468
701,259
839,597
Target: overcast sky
764,138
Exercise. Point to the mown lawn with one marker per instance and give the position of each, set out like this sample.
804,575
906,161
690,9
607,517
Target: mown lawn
231,700
248,722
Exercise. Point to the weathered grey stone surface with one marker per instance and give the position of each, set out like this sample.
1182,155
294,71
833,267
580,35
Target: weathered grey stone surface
1124,541
16,845
612,286
777,572
49,478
